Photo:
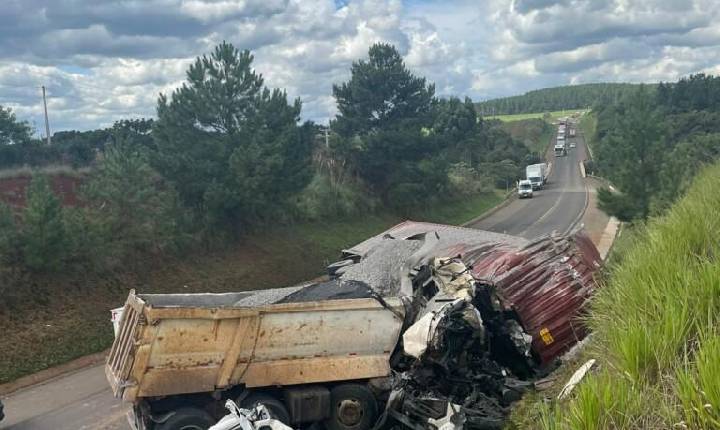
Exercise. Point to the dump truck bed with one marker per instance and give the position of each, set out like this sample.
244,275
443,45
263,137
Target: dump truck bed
187,343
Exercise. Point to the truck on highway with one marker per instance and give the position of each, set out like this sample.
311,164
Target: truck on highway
537,175
560,148
525,188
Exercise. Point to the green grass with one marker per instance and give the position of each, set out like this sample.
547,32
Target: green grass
68,315
588,126
521,116
656,327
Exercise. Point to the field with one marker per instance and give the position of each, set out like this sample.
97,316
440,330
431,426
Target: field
68,315
521,116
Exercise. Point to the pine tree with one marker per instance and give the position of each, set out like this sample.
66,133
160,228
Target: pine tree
231,147
44,243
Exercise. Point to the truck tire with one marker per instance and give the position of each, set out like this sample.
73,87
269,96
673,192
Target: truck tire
353,407
188,419
275,407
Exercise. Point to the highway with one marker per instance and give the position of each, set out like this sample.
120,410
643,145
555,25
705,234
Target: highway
558,207
82,400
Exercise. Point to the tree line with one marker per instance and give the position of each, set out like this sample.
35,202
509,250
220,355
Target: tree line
558,98
653,141
226,154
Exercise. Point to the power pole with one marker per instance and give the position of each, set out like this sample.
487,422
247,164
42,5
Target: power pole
47,123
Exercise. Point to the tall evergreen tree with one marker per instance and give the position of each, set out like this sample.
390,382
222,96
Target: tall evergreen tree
631,155
381,93
232,148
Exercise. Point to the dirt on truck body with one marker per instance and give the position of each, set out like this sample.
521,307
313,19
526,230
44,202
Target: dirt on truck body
419,327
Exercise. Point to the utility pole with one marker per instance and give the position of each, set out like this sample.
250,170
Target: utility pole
47,123
327,136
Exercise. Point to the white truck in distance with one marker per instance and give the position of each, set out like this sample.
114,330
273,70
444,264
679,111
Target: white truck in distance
537,175
560,148
525,188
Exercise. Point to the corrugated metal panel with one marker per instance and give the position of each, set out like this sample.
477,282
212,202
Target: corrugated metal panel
547,283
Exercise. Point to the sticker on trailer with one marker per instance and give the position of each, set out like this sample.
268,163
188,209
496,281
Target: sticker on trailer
546,336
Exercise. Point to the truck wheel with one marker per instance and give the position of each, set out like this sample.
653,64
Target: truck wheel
275,407
353,407
188,419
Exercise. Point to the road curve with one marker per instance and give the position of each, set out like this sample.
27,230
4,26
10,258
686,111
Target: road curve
556,208
83,401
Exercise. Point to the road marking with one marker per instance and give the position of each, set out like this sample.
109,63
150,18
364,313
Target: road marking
555,205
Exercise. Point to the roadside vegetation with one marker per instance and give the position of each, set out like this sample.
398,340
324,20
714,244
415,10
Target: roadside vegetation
228,190
655,328
651,143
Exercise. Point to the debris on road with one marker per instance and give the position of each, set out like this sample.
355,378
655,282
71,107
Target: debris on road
257,418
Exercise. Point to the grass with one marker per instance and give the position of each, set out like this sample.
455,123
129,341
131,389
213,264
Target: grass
540,115
655,323
588,126
68,314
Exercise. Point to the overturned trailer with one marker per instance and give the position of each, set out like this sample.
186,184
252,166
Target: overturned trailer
423,322
521,311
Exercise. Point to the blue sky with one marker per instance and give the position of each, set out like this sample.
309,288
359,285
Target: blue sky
107,60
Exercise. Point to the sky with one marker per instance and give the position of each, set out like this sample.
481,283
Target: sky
102,61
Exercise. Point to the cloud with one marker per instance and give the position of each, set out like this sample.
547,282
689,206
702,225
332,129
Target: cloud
104,60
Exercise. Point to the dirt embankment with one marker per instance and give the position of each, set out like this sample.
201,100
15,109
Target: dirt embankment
13,190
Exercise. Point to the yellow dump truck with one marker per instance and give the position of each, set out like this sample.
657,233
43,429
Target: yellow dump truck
308,353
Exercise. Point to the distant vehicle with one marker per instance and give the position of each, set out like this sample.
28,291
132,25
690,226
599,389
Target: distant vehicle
572,144
572,132
537,175
560,149
525,189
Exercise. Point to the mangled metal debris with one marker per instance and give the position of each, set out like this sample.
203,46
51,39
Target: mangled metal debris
445,326
474,340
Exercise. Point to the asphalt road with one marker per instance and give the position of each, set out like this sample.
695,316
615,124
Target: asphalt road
558,207
82,400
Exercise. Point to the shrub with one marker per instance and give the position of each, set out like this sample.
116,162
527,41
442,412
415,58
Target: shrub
44,242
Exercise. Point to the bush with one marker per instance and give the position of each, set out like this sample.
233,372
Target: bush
324,199
44,242
129,207
8,236
464,180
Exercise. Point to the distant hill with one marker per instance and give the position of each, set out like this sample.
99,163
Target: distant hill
554,99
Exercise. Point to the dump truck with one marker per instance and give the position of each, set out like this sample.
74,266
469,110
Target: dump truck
307,353
412,317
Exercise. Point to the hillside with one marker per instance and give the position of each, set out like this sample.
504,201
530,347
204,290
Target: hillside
655,324
557,98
